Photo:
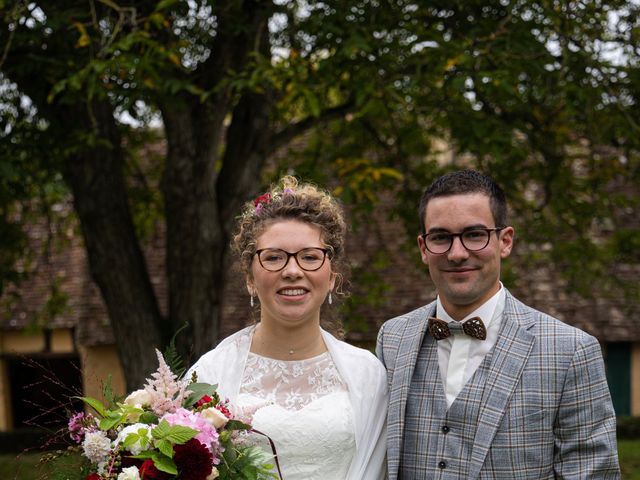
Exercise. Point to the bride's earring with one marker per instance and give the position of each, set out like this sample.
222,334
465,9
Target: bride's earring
330,299
251,301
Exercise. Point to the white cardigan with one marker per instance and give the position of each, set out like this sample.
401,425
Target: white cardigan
363,373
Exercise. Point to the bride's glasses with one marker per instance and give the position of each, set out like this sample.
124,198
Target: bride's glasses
308,259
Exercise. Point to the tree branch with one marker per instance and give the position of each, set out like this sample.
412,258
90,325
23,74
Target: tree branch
288,133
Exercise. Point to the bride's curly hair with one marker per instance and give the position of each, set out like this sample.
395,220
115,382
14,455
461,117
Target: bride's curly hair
291,200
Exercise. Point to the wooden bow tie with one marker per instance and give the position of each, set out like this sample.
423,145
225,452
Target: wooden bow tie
474,327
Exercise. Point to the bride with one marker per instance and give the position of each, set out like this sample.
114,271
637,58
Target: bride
322,401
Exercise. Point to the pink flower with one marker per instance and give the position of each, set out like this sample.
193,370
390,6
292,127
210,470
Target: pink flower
225,411
80,424
208,435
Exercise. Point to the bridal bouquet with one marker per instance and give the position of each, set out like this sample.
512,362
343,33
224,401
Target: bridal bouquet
170,429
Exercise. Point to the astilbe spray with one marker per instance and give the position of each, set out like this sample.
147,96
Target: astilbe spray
166,391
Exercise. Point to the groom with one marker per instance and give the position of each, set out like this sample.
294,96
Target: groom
490,388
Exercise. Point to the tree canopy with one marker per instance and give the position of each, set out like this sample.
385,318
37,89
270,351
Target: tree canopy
541,94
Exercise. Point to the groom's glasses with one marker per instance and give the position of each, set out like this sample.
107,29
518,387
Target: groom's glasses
474,239
308,259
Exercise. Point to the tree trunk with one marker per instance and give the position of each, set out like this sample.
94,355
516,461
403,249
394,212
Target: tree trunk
116,261
195,242
202,191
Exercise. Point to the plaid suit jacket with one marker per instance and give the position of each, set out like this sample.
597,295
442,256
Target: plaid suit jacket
545,410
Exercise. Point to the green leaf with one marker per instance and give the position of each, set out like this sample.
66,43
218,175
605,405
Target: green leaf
95,404
312,102
165,464
237,425
179,434
176,434
161,430
111,420
148,418
107,391
171,355
199,390
165,447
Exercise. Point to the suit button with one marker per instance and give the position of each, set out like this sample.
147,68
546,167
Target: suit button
445,429
442,464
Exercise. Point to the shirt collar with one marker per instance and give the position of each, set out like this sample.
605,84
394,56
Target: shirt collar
484,311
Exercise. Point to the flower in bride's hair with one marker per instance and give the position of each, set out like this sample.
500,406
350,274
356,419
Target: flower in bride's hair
260,201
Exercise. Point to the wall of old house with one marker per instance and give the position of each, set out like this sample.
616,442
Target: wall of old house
6,412
98,363
635,380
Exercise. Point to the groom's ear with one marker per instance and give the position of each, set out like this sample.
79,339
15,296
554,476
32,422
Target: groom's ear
423,250
506,241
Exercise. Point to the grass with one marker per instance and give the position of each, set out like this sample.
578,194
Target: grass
40,466
28,466
629,454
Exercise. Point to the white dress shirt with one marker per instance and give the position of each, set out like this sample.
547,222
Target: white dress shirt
459,356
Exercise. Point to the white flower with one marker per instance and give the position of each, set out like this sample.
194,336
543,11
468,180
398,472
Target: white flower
129,473
138,398
96,446
215,417
141,432
213,475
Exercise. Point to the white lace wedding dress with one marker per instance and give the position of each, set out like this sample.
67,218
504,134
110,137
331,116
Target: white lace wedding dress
303,406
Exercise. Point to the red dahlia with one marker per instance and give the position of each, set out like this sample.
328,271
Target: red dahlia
93,476
148,471
194,460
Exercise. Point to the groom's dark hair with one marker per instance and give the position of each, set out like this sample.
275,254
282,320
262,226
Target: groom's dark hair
467,181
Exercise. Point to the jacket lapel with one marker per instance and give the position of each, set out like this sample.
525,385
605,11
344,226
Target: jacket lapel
510,355
408,349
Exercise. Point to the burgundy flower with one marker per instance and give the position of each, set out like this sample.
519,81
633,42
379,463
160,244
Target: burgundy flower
148,471
194,460
92,476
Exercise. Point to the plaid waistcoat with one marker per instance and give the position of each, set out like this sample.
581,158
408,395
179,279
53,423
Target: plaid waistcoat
445,452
